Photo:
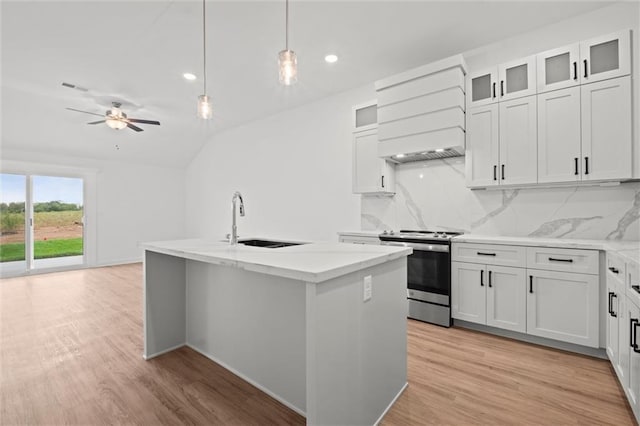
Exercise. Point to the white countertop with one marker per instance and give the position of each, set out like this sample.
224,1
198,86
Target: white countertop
313,262
628,249
361,233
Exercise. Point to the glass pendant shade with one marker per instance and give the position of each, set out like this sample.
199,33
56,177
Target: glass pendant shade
288,64
115,123
205,109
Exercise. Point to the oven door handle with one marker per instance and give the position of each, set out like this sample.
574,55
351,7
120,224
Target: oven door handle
418,246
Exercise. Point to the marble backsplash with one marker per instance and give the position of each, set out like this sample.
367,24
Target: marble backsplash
433,195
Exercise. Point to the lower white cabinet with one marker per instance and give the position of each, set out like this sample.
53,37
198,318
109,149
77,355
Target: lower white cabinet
563,306
489,294
633,352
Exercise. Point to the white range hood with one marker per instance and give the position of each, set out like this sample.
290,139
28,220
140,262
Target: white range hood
421,112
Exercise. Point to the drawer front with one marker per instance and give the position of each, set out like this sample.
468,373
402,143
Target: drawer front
359,239
615,267
489,254
563,260
633,282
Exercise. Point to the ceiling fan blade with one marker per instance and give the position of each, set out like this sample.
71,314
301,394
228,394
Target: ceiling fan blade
98,122
86,112
137,120
136,128
73,86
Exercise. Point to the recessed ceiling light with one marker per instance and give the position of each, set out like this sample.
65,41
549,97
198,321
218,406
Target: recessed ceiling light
189,76
331,58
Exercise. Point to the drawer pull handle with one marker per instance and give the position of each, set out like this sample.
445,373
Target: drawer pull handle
553,259
614,270
485,254
481,278
490,279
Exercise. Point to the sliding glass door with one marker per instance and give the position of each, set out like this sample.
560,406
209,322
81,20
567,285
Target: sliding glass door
42,222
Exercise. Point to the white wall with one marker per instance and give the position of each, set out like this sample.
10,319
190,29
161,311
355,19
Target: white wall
133,202
293,169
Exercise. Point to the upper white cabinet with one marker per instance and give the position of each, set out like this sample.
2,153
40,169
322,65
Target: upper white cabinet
371,174
606,129
592,60
482,148
510,80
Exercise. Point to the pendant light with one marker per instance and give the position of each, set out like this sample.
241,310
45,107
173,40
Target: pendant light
287,59
205,110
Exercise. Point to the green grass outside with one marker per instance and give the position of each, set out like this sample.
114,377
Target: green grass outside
42,249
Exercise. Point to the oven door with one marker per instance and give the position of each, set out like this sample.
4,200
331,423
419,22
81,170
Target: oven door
428,272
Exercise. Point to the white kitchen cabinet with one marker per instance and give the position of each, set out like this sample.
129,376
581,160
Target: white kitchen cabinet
488,294
601,58
633,338
558,68
518,141
606,129
607,56
482,148
510,80
506,298
501,143
563,306
371,174
584,133
613,321
559,137
468,295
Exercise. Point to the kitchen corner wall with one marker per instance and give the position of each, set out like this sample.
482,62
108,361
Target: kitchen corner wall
433,194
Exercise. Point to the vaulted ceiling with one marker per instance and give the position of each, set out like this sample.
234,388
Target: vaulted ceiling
135,52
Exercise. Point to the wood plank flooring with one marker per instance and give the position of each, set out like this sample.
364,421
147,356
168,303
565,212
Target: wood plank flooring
71,353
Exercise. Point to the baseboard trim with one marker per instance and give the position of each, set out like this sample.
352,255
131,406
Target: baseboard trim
250,381
67,268
162,352
555,344
393,401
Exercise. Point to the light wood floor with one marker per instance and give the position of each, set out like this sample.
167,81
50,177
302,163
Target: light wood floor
71,353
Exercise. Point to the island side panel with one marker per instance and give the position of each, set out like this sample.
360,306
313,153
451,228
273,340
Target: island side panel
252,324
164,303
356,350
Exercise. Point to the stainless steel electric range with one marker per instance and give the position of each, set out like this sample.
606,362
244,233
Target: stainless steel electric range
428,273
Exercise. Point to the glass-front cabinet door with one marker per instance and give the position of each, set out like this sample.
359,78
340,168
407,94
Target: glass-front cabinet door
517,78
559,68
482,87
605,57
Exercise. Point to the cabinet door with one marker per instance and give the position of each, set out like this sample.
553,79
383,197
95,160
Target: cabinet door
481,164
559,157
468,295
612,321
365,116
506,298
558,68
482,87
563,306
517,78
605,57
606,129
367,167
518,141
622,368
633,389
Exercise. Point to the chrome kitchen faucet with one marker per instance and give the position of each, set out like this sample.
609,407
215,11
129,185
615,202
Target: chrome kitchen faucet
234,229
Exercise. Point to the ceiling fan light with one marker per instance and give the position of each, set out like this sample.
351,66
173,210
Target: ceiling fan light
116,124
288,64
205,109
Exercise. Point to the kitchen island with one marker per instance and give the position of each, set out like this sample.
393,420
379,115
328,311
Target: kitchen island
294,321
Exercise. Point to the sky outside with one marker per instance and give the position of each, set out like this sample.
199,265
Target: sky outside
45,188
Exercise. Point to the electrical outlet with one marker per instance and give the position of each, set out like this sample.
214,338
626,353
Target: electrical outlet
367,288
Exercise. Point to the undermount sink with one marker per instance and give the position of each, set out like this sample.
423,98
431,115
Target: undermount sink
267,243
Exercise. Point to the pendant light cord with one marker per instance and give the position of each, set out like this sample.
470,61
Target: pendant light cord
204,46
286,36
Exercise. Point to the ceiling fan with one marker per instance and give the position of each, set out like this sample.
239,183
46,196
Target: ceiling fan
116,119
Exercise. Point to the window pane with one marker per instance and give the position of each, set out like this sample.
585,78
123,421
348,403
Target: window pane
517,78
557,68
12,217
481,87
604,57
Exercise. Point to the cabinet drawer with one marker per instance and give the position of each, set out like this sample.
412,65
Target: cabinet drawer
615,266
359,239
489,254
563,260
